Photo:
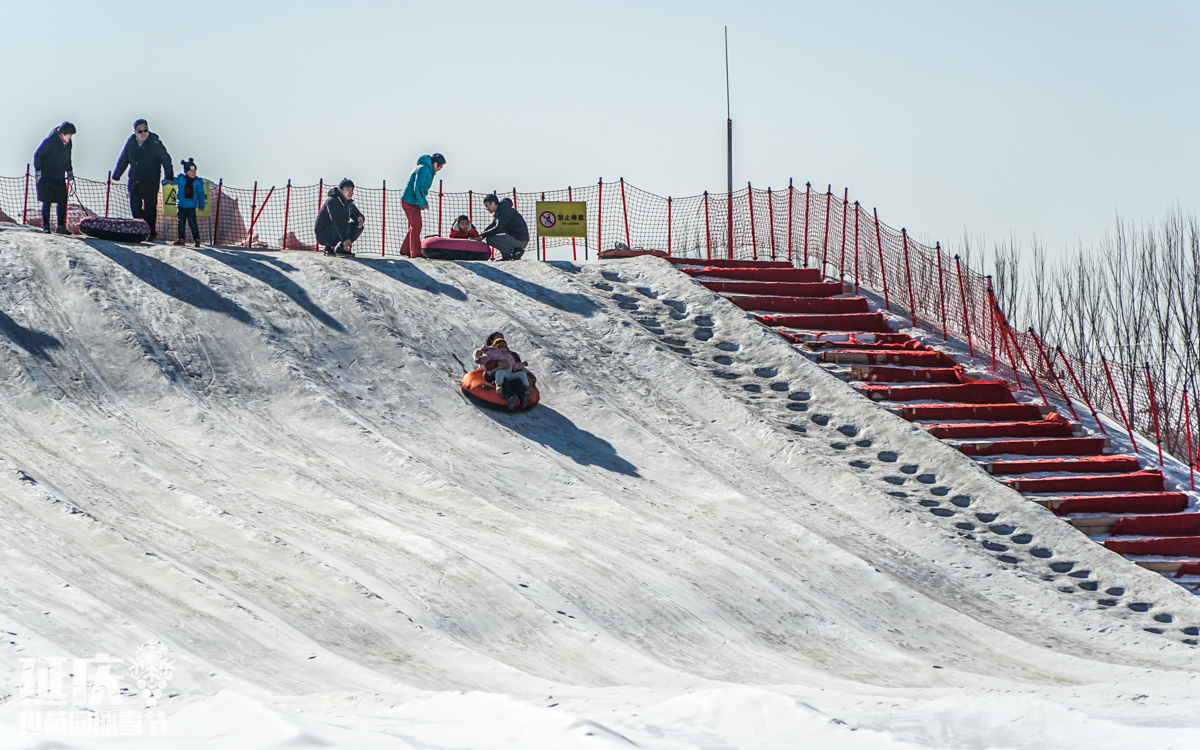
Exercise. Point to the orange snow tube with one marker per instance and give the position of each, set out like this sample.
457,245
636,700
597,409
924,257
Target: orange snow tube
485,394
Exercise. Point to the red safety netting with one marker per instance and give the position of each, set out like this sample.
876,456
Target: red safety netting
807,228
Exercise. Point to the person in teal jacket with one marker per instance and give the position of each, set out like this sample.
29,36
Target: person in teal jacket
413,200
189,196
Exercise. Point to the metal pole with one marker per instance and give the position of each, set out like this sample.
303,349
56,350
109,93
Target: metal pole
998,321
728,119
1154,413
942,292
543,238
707,228
771,219
991,327
383,229
25,210
729,224
287,210
962,291
807,197
107,193
887,303
253,204
625,211
857,211
1053,374
791,191
1117,398
440,208
912,301
217,218
668,225
845,205
1079,389
574,254
753,234
599,219
825,242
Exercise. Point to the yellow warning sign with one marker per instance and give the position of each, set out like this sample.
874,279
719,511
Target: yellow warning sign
170,200
562,219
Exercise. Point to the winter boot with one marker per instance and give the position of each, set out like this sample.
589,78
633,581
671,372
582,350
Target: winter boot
330,251
517,253
62,230
197,243
179,242
343,252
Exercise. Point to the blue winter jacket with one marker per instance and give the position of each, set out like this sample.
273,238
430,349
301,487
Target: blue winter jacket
198,200
419,183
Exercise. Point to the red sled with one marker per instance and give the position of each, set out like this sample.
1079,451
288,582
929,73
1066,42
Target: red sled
444,248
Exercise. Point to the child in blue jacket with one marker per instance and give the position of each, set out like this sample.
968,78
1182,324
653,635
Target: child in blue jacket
188,197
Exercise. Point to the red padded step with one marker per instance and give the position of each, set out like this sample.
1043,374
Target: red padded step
717,263
888,341
1172,546
1149,480
981,392
1131,502
1094,464
902,357
809,305
777,288
804,275
1075,446
1171,524
882,374
1015,412
871,322
1041,428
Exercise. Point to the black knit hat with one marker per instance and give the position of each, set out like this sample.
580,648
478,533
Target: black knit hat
66,129
189,164
345,183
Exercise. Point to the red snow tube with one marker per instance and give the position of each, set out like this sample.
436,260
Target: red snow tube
485,394
116,230
444,248
628,253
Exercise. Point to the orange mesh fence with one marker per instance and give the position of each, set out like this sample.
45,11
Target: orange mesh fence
808,228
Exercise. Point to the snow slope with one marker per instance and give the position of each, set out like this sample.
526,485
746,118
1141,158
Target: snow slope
700,539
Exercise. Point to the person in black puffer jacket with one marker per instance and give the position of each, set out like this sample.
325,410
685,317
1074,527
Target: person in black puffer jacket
145,156
508,231
52,162
340,222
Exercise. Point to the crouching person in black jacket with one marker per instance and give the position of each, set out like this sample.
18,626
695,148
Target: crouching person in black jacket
340,222
508,232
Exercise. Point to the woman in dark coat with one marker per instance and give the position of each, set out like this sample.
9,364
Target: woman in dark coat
52,162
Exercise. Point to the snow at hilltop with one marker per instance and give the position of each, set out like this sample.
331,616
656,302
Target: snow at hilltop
700,539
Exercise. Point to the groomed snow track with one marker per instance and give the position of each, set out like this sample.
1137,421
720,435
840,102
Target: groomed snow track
263,460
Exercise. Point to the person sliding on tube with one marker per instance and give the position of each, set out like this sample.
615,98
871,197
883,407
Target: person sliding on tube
463,229
508,232
505,369
413,201
52,163
340,222
189,196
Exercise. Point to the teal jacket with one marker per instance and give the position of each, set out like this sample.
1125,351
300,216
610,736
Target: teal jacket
419,183
198,199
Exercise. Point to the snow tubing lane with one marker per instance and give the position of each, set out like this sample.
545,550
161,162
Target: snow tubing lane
484,394
445,248
116,230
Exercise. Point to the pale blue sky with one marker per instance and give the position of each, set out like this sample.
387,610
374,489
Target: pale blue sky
1022,117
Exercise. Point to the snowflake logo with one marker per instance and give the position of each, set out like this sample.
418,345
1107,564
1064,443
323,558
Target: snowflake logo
152,668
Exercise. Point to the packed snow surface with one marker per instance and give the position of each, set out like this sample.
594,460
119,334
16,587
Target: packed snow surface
700,539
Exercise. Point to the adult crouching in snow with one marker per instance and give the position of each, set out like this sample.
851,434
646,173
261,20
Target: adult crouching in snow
414,201
52,162
144,154
508,232
340,222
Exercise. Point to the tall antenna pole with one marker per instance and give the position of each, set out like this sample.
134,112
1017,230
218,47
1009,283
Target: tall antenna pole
728,113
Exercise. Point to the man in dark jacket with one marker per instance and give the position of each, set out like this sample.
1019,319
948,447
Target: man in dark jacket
52,162
145,155
508,232
340,222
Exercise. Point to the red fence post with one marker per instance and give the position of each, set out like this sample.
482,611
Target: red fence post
625,211
753,234
942,293
107,193
574,254
217,218
842,263
791,191
1079,389
253,205
807,195
1154,413
254,216
962,291
1187,419
439,208
1053,374
999,321
25,210
857,211
599,218
668,223
771,218
383,227
707,228
912,301
729,225
1117,397
992,326
887,303
287,210
825,243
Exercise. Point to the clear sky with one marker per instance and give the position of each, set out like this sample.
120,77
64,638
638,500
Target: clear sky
1002,117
